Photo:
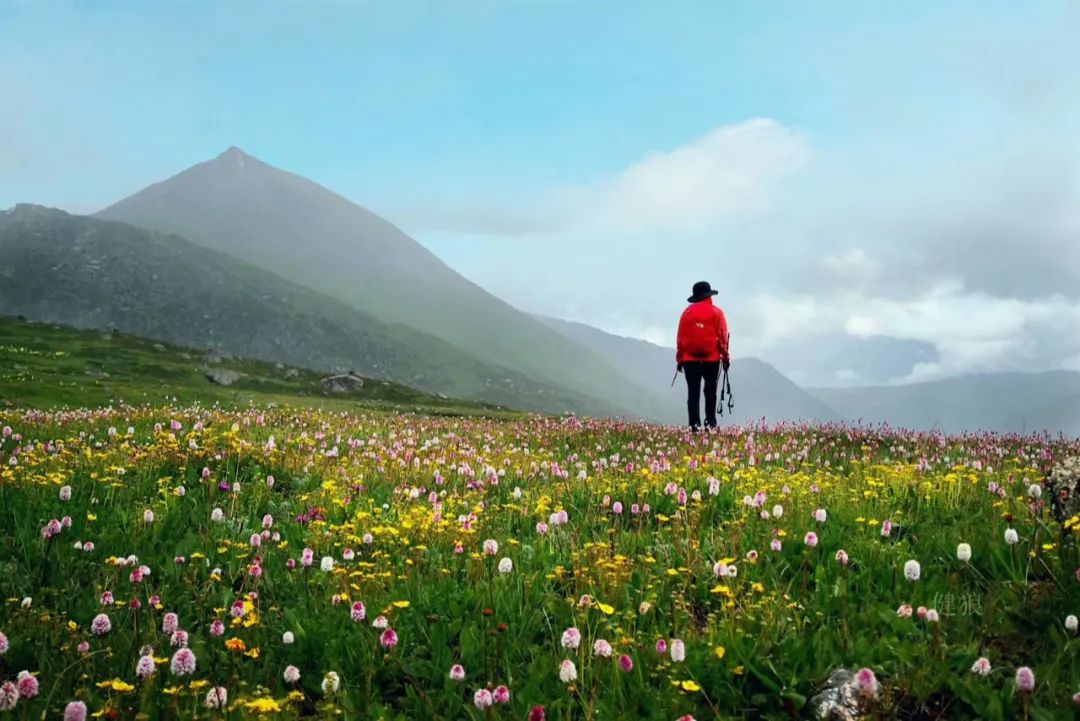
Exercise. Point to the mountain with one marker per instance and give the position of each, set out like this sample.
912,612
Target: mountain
293,227
1008,402
94,273
760,390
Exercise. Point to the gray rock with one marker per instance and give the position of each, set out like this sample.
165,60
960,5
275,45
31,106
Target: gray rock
1063,488
292,373
342,383
222,376
159,348
839,700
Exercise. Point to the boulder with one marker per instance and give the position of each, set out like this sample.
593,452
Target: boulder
222,376
839,699
1063,488
342,383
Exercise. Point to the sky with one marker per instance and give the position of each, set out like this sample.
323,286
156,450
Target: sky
880,192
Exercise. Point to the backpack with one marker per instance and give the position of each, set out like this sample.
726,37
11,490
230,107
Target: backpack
700,338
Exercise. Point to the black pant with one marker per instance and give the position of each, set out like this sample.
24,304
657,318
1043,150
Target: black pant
696,372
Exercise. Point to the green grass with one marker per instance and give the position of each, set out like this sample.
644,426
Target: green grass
49,366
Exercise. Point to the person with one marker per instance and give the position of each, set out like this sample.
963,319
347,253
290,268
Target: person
701,351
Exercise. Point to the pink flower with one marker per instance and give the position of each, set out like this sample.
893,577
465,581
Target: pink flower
482,699
144,667
388,639
617,508
661,646
842,557
904,611
83,647
981,666
307,557
75,711
101,625
457,672
602,648
1076,699
536,713
9,696
217,628
686,717
183,662
291,674
921,612
571,638
27,684
1025,679
217,698
678,651
886,528
179,639
4,645
866,682
810,539
501,695
567,671
491,547
820,515
358,612
169,623
775,545
626,663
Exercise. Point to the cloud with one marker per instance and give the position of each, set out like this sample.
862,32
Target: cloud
731,171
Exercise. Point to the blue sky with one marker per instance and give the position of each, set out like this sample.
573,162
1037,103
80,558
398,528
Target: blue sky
848,173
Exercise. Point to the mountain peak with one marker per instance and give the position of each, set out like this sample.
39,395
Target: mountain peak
234,156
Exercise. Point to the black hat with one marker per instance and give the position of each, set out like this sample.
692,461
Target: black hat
702,290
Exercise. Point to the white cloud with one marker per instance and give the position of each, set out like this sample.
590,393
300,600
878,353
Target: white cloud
732,170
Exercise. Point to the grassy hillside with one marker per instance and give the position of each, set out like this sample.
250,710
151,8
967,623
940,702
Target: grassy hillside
48,366
91,273
302,231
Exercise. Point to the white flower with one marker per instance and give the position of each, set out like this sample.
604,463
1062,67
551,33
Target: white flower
287,638
1011,536
567,671
491,546
291,675
912,570
327,564
1035,490
820,515
506,565
331,683
981,666
963,552
777,511
1070,623
217,515
678,651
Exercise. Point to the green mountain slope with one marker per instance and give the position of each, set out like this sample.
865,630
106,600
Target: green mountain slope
298,229
48,366
96,274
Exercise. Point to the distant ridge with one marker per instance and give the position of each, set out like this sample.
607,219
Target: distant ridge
93,273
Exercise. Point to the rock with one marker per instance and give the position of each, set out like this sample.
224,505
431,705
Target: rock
1063,488
222,376
292,373
159,348
212,357
342,383
839,700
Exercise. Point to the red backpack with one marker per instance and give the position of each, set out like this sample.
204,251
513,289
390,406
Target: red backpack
700,339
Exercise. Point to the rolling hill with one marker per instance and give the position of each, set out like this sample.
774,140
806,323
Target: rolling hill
1008,402
48,366
295,228
93,273
760,390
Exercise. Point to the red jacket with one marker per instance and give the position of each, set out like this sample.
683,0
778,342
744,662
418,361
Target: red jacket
703,334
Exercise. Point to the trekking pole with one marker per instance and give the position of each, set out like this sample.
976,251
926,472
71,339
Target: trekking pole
725,388
674,377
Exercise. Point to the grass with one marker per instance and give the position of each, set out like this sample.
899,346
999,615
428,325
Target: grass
49,366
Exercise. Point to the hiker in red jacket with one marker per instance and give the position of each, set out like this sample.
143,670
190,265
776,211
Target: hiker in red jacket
701,350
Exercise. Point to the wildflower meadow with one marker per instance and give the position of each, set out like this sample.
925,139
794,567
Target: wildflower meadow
196,563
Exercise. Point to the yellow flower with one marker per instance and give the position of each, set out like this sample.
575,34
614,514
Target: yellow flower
608,610
117,685
690,686
196,685
720,651
263,705
401,604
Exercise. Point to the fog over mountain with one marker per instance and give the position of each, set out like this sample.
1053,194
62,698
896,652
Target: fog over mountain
298,229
